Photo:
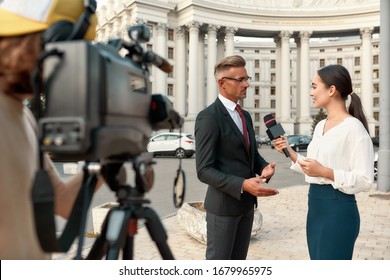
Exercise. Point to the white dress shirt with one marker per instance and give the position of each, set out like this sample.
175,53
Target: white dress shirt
231,108
347,149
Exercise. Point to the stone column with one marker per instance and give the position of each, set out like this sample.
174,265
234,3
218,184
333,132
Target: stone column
366,74
193,75
201,72
125,23
211,61
220,45
230,31
160,77
180,69
303,107
384,114
278,74
285,118
250,98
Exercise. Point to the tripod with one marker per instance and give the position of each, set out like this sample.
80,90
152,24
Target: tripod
120,225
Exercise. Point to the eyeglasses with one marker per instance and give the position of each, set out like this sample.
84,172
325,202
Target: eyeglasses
240,80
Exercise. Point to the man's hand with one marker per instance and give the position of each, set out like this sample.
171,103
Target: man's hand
253,186
268,171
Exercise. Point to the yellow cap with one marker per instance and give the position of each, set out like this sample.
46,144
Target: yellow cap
20,17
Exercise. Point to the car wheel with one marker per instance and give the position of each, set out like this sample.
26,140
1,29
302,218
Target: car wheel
180,153
375,170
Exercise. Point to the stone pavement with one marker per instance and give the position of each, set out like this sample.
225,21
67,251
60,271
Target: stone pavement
282,236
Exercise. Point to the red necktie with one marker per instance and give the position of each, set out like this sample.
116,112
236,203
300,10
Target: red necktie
244,129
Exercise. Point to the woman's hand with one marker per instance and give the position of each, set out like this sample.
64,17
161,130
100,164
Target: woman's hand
313,168
281,143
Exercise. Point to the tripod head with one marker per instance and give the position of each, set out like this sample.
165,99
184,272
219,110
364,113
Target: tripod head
114,174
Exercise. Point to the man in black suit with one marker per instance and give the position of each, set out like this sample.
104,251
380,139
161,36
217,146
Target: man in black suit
227,160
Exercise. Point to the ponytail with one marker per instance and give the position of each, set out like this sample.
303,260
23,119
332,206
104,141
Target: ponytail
356,110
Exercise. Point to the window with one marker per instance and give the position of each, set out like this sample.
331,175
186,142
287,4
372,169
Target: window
375,74
357,48
241,50
170,74
376,88
170,35
272,51
357,61
339,49
149,47
257,63
170,90
150,26
376,102
357,75
257,90
257,77
257,51
322,62
170,53
273,104
257,102
357,88
257,117
376,116
375,59
340,61
273,90
322,50
273,64
273,77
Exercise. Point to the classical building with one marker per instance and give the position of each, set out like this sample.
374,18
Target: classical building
284,42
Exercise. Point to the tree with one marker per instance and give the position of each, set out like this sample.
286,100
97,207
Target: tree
317,118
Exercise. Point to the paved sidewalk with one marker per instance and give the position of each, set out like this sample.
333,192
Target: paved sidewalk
282,236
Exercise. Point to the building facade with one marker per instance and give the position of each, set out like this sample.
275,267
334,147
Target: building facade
284,43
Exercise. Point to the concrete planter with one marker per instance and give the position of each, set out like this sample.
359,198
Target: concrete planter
192,217
99,213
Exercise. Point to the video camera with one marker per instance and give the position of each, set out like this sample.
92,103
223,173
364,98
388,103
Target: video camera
98,103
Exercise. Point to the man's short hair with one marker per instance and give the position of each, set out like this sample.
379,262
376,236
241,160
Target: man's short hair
229,62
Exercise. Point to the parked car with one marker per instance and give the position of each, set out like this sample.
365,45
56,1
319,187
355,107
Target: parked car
375,141
258,141
170,143
265,140
376,165
297,142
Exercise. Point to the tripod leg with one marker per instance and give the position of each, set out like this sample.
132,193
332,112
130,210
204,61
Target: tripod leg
112,238
157,233
128,250
116,231
99,248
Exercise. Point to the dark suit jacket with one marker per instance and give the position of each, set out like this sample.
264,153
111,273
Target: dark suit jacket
222,161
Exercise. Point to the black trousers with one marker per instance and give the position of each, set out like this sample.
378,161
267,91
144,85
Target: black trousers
228,236
333,223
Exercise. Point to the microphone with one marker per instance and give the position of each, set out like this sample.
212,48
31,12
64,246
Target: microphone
155,59
275,130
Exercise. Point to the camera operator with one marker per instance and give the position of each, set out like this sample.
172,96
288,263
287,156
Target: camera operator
22,24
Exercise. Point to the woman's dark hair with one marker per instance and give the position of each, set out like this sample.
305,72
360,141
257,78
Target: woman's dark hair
338,76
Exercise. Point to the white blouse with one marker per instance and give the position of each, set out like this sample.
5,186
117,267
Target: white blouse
347,149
